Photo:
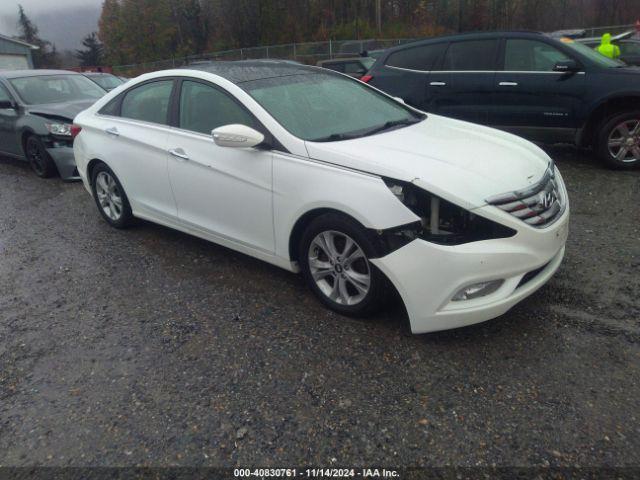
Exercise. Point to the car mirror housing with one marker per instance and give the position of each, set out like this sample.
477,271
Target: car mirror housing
236,135
566,66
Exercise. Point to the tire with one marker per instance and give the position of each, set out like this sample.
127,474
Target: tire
340,283
110,197
618,141
39,159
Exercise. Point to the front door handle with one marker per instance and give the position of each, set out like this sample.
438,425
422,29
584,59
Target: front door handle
179,153
438,84
508,84
112,131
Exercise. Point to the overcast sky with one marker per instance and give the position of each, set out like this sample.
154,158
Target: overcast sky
64,22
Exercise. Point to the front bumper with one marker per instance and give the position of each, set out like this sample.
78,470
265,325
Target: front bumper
65,162
428,275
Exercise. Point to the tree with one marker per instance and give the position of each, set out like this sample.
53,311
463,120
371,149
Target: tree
46,54
93,52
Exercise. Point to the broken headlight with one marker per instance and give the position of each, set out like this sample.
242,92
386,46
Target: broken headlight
441,221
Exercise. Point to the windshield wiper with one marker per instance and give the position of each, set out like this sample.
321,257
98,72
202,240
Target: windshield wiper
334,137
392,124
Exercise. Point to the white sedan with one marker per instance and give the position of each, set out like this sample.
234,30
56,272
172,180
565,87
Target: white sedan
313,171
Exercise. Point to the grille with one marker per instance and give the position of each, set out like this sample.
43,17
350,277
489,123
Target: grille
538,205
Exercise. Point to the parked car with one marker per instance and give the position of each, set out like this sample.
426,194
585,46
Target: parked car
629,49
104,80
355,67
530,84
315,172
36,115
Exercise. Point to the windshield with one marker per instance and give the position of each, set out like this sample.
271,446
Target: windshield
108,82
326,107
592,55
55,89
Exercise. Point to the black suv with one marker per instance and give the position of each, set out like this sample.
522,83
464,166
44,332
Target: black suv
527,83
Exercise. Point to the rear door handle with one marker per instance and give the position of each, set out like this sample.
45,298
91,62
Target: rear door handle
112,131
179,153
508,84
438,84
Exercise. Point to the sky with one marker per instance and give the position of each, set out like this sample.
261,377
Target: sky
64,22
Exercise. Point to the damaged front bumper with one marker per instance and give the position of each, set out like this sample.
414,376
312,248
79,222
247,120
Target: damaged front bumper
65,162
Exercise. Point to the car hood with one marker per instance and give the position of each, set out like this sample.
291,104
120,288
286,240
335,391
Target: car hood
67,110
459,161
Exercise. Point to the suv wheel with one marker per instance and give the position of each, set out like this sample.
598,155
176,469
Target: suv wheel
334,257
619,140
110,198
38,157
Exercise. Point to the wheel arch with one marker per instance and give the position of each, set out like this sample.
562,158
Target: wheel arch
91,165
605,108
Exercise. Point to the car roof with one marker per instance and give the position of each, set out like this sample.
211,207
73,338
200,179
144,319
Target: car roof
248,70
96,74
33,73
467,36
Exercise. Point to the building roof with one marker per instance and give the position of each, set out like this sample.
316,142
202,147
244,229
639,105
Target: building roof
19,42
249,70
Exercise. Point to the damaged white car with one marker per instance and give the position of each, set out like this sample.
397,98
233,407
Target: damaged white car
315,172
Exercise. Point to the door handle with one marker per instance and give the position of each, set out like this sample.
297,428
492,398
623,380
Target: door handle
179,153
508,84
112,131
438,84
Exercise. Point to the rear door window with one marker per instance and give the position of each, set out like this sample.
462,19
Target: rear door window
148,102
423,57
471,55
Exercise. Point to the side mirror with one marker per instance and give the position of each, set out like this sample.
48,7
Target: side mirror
399,99
4,104
566,66
235,135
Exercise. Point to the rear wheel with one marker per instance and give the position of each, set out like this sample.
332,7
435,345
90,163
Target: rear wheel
334,257
110,198
39,159
619,140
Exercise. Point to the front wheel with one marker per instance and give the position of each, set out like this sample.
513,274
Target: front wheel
619,140
41,162
334,255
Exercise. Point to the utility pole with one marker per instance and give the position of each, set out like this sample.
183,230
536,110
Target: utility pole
379,16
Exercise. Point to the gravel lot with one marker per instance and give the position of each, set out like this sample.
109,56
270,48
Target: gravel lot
151,347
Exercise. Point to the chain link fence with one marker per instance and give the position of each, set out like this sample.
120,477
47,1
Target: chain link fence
309,53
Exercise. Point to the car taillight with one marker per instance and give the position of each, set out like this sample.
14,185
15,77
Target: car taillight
75,130
366,78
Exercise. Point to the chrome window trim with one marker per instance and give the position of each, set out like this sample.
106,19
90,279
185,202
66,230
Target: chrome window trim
482,71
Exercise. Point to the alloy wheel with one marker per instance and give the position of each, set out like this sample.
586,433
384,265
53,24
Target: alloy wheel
36,157
624,141
109,196
339,267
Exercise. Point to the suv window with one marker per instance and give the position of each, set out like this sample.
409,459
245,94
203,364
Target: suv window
4,95
148,102
204,108
629,48
417,58
471,55
522,55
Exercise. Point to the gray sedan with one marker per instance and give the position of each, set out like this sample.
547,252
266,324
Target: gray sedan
37,108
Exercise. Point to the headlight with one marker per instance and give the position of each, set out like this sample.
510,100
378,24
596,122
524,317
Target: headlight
63,129
441,221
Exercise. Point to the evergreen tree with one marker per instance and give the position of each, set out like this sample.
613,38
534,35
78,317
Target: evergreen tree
91,56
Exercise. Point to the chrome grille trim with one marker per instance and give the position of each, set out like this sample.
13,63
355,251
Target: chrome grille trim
538,205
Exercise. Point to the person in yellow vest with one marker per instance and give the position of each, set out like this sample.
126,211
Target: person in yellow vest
607,48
